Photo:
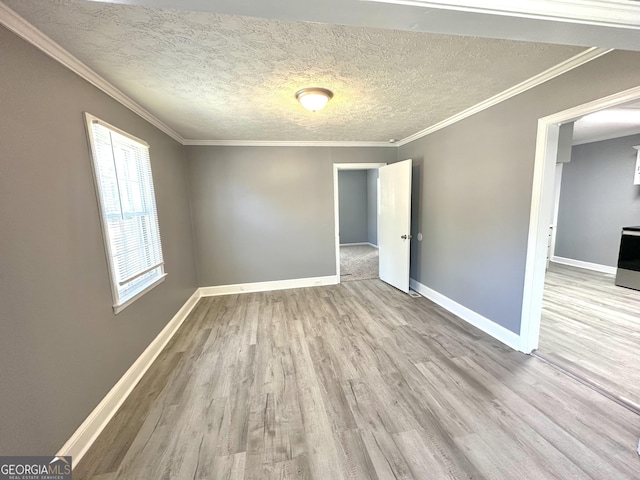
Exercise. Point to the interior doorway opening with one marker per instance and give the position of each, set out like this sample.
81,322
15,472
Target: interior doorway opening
573,313
356,203
393,220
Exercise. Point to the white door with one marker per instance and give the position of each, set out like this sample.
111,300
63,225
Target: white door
394,224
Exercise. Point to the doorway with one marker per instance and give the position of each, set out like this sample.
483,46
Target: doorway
573,314
590,326
356,203
394,220
358,192
542,203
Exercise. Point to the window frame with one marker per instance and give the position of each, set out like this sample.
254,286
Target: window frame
120,302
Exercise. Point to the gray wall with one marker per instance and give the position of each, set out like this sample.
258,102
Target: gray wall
472,190
353,198
597,199
372,206
565,143
266,213
61,347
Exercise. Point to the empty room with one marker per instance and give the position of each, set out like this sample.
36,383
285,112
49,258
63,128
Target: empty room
174,304
590,326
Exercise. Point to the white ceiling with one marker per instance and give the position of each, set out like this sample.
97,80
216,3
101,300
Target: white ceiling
607,124
602,23
222,77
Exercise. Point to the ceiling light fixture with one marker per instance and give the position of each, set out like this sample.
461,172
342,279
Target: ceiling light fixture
314,99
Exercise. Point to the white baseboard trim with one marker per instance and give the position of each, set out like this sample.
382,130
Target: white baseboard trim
87,433
356,244
488,326
596,267
268,286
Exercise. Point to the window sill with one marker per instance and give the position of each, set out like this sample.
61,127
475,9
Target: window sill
118,308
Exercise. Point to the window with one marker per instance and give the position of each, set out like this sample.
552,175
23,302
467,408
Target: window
124,186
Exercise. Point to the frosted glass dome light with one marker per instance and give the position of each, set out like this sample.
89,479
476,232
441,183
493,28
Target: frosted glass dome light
314,99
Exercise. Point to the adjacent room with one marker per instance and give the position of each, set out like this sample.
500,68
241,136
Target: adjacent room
296,240
590,322
358,224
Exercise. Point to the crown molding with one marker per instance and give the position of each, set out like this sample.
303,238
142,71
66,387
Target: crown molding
18,25
605,13
35,37
276,143
563,67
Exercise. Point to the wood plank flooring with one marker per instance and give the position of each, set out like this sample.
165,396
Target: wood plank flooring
591,328
355,381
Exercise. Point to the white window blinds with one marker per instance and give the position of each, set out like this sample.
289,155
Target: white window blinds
127,201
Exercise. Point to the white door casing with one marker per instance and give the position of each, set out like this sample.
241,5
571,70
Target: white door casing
336,201
394,224
542,203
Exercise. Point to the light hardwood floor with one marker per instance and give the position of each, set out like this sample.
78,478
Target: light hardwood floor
591,328
355,381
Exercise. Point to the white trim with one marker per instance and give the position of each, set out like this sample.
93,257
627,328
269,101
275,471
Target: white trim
357,244
336,201
267,286
378,211
285,143
596,267
87,433
35,37
482,323
606,13
122,298
157,281
541,206
31,34
91,119
553,72
358,166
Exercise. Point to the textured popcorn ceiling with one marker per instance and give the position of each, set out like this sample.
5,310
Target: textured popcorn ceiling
222,77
